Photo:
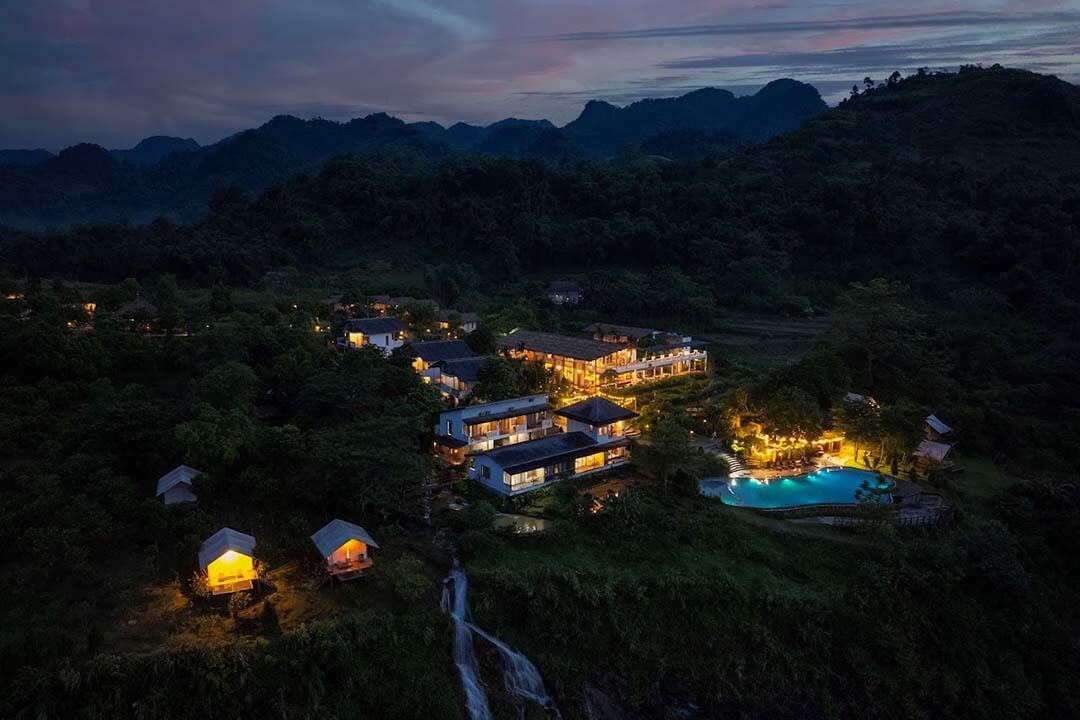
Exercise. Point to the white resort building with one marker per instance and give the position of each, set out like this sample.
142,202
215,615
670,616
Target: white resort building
595,439
387,334
478,428
592,363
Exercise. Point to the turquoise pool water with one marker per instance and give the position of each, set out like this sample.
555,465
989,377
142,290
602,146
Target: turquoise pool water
836,485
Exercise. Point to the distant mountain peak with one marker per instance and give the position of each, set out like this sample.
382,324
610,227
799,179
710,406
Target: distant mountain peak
519,122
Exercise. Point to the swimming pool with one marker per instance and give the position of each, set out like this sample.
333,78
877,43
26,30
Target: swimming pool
821,487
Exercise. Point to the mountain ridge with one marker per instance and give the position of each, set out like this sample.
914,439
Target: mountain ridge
174,177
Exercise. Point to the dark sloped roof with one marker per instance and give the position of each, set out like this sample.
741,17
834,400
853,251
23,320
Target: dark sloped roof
436,350
577,348
374,326
464,369
450,441
596,411
627,330
545,451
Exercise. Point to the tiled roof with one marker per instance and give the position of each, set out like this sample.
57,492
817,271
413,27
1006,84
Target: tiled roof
374,326
464,369
596,411
520,457
436,350
577,348
627,330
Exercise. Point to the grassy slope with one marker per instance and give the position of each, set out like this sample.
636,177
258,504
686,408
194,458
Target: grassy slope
694,602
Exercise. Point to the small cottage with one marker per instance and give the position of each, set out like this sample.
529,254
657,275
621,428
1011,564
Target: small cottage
228,560
345,547
383,333
175,486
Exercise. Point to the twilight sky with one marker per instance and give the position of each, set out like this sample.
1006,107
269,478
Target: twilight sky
114,71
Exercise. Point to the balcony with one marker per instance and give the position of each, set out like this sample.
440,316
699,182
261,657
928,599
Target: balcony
663,361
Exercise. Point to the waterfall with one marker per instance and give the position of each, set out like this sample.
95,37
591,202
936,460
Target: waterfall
520,676
464,655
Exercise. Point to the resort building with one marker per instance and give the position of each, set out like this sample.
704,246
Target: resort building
383,333
227,559
456,379
595,441
345,547
426,354
588,364
564,292
175,486
452,321
388,305
478,428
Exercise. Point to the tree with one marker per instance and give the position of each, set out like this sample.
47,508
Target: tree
496,380
482,341
666,448
170,313
227,387
875,319
901,429
860,420
220,299
791,412
216,438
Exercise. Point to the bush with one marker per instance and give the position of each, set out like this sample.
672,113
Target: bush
405,577
478,516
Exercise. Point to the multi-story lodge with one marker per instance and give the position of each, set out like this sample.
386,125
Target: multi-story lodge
383,333
588,364
595,439
479,428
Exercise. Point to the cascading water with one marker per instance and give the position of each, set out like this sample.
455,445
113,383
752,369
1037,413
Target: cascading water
520,676
464,655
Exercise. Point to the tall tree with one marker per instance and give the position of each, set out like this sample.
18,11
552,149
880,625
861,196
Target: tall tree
875,319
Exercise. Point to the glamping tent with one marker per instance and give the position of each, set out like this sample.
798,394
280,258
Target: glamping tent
227,558
344,546
175,486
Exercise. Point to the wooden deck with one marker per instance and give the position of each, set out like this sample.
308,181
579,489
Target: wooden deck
231,587
350,570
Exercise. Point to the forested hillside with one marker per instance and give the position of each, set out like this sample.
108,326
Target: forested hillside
966,187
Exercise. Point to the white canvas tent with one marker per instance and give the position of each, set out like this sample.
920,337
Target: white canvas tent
344,546
175,486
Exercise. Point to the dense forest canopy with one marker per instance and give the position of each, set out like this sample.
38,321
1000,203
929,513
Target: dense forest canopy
963,187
